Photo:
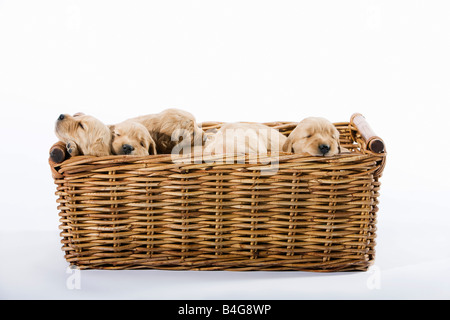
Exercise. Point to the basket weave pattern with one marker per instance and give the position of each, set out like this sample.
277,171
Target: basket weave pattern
311,214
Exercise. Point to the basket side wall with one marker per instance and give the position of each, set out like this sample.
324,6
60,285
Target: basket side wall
312,216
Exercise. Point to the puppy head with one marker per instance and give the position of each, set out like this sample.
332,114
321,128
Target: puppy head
316,136
90,135
132,138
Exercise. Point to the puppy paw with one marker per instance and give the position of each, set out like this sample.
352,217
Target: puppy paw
72,149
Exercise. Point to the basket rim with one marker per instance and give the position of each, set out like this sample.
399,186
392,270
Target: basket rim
198,159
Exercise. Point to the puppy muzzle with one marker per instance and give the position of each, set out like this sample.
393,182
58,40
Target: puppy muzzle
127,149
324,149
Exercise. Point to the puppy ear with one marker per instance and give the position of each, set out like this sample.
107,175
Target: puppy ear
99,148
287,147
338,142
199,137
152,148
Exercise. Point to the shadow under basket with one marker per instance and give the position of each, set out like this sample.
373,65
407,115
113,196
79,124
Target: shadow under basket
242,213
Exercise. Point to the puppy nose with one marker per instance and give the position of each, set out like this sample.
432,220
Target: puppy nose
61,117
324,148
127,149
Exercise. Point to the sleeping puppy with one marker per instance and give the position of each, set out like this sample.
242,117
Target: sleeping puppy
316,136
169,129
131,137
252,138
83,135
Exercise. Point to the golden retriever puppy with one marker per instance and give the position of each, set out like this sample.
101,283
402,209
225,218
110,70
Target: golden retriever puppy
130,137
83,135
252,138
169,129
315,136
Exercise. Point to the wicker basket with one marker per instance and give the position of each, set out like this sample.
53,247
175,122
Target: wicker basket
160,212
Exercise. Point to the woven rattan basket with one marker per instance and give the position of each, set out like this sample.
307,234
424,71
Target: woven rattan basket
163,212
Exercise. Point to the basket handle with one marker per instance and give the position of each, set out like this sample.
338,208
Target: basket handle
373,142
58,152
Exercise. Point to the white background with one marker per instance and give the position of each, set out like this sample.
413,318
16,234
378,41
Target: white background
229,61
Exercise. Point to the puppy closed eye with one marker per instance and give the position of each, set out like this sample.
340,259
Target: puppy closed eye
142,144
80,125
